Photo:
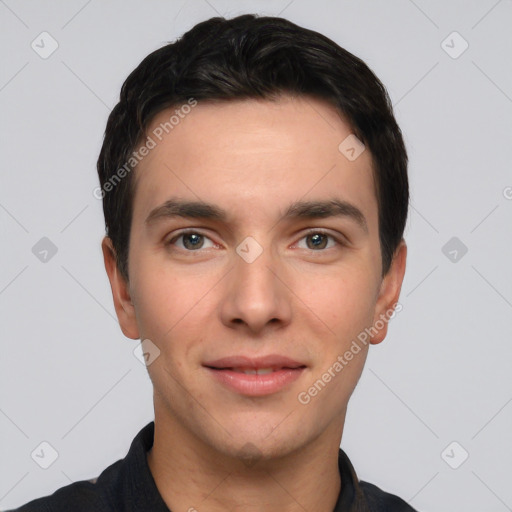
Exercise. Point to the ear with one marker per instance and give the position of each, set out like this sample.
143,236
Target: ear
120,292
389,294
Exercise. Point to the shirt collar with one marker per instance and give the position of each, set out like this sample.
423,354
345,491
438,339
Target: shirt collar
143,495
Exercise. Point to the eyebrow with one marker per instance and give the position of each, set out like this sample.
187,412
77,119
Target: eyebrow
297,210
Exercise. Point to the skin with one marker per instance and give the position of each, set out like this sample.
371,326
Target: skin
215,449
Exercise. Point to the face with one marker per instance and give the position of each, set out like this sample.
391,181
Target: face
253,293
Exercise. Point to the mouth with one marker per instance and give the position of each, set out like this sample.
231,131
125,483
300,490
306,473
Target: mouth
255,371
255,376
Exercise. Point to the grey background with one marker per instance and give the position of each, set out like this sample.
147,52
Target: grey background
68,375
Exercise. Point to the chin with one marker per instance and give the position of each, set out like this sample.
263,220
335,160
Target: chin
254,452
253,445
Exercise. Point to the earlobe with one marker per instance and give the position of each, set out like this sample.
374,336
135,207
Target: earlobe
123,303
389,295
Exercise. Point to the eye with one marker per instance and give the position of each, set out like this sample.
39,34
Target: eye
319,240
191,241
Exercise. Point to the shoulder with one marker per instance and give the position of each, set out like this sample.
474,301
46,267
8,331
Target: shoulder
365,496
381,501
97,494
124,485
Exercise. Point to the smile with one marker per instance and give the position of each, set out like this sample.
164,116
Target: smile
255,376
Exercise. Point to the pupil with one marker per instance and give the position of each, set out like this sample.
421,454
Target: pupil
318,240
192,241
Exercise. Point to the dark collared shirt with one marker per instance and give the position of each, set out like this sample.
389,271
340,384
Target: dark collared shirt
128,486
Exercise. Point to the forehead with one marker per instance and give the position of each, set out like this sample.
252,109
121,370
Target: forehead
253,156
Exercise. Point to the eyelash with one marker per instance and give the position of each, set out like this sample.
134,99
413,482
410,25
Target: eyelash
312,231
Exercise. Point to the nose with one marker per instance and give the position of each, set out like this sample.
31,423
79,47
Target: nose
256,297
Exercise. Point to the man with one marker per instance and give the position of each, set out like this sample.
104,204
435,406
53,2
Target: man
254,185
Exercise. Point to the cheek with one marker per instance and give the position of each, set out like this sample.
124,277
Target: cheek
172,309
346,303
160,301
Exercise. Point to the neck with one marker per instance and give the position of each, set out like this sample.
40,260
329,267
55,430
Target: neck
192,476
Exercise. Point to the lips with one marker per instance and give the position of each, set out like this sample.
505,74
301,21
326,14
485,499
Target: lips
255,376
246,364
253,371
